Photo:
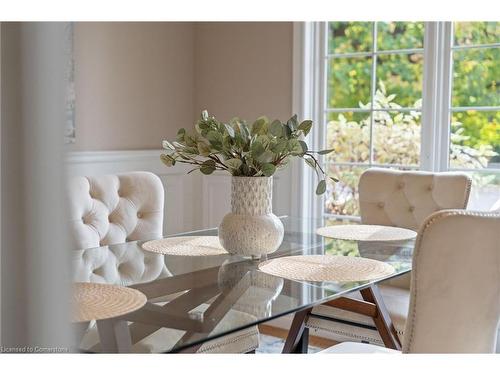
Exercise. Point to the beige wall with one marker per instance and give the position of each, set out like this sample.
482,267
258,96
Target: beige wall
133,82
244,69
137,83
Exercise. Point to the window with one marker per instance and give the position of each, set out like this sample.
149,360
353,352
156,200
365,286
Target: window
373,107
370,101
475,109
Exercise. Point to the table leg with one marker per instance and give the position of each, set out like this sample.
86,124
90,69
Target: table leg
381,318
114,336
297,340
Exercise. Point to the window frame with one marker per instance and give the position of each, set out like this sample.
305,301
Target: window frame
310,70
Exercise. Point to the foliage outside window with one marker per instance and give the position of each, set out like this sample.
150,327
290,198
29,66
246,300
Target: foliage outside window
374,102
475,108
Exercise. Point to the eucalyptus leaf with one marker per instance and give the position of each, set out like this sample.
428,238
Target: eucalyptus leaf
265,157
168,160
264,140
180,134
260,125
214,137
305,126
325,152
295,147
310,162
204,149
276,128
203,126
287,132
233,163
229,130
191,150
304,146
292,123
190,141
245,132
167,145
256,149
280,147
334,179
268,169
321,188
207,170
209,163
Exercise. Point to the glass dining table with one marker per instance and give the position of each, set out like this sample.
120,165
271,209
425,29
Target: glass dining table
202,298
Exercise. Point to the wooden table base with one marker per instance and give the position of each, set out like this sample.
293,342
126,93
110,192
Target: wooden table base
372,305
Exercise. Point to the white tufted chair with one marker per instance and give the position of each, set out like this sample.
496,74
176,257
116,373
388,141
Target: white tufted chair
455,287
394,198
114,209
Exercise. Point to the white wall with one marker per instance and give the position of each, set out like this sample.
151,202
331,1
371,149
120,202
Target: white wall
137,83
134,83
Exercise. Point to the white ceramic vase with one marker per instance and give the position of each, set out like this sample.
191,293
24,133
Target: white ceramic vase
251,228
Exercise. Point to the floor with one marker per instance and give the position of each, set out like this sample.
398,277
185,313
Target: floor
274,345
273,338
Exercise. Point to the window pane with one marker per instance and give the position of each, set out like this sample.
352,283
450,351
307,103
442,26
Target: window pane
349,82
396,138
400,35
475,140
469,33
476,77
349,135
342,197
348,37
485,193
399,80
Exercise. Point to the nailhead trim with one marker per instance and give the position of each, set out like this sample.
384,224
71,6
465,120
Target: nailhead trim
208,348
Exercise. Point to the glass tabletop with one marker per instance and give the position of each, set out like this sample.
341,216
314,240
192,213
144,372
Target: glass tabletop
194,299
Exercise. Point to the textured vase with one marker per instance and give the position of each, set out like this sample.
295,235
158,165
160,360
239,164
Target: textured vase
251,228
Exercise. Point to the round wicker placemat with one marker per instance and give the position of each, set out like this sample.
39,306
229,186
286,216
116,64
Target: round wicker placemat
359,232
92,301
186,246
326,268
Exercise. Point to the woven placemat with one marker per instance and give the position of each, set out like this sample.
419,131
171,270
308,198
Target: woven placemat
359,232
186,246
92,301
326,268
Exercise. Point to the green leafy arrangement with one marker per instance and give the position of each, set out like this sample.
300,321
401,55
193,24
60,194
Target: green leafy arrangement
244,150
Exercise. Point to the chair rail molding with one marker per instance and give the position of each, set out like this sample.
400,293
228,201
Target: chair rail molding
193,201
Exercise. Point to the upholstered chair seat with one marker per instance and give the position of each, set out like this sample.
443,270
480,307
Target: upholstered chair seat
455,295
393,198
112,210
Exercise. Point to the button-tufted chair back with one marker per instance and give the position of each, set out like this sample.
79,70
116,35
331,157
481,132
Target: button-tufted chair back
406,198
455,286
106,210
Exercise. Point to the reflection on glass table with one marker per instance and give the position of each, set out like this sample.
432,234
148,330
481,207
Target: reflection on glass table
192,300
